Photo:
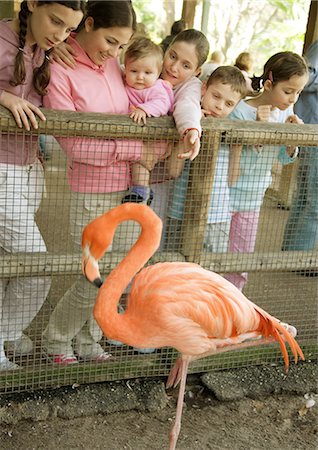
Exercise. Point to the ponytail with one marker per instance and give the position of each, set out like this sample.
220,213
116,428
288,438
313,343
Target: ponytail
257,83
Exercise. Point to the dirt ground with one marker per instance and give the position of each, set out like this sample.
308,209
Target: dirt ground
276,422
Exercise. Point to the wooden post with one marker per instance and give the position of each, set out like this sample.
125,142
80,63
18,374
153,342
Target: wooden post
312,26
198,196
188,11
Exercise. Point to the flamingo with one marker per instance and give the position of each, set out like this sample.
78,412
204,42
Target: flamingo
173,304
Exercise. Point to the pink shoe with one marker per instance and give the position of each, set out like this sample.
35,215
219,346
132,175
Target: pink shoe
63,360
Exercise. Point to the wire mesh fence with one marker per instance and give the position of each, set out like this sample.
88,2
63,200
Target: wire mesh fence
81,170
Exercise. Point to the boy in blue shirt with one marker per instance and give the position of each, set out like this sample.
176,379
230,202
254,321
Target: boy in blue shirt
225,87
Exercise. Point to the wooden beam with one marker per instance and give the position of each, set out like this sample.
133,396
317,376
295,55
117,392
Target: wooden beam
188,11
312,26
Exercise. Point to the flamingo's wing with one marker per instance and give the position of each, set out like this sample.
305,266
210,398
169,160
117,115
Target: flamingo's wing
191,304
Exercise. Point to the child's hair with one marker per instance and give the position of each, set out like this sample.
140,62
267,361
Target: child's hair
229,75
178,26
192,36
41,75
217,56
281,67
142,47
244,61
111,14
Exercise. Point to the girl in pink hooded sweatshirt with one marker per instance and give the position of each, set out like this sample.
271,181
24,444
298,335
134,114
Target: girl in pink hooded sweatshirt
98,170
25,44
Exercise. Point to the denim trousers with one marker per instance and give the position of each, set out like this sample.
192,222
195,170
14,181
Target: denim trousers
302,226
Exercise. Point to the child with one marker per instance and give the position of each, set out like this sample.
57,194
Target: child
181,66
284,77
24,47
149,97
225,87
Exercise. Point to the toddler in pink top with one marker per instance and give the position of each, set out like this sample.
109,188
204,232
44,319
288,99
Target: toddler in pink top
149,96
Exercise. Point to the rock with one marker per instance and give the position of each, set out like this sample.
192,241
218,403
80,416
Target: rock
86,400
257,381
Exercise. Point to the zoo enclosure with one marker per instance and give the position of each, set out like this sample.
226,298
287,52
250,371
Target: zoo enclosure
273,283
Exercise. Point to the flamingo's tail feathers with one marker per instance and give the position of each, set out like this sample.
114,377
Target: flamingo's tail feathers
282,345
282,333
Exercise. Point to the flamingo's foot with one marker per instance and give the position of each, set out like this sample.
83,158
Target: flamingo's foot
291,330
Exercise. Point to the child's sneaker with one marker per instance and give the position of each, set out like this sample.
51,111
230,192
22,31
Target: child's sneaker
62,360
6,364
115,343
20,347
144,350
135,195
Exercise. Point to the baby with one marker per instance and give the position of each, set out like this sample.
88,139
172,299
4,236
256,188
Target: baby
149,96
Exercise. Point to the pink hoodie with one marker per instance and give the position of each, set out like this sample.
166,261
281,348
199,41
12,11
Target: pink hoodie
95,165
19,149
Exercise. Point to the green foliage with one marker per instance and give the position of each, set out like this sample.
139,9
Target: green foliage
263,27
147,15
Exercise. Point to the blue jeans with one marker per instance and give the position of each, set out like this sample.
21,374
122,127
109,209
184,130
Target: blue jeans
302,225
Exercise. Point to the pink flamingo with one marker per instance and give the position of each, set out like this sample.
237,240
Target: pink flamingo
173,304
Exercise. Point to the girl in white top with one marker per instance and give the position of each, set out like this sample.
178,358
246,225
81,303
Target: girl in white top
284,77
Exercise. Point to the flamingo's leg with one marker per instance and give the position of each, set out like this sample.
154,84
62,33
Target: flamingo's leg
176,371
175,374
174,433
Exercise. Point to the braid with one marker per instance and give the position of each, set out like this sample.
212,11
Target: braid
41,75
19,68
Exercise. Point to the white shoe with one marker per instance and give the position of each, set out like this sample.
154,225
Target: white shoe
6,364
115,343
144,350
20,347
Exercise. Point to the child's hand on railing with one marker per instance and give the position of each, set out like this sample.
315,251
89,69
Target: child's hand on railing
294,119
263,113
64,54
191,144
139,115
22,110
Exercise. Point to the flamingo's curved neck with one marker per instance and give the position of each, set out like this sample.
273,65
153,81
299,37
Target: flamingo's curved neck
145,246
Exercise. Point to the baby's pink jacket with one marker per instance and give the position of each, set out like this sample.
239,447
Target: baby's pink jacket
156,100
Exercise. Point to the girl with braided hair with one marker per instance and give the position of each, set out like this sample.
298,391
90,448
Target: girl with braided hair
25,44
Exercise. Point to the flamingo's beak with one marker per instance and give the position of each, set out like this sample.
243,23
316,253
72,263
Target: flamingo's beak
90,270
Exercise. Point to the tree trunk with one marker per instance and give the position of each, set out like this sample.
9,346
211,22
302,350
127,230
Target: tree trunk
188,11
169,7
